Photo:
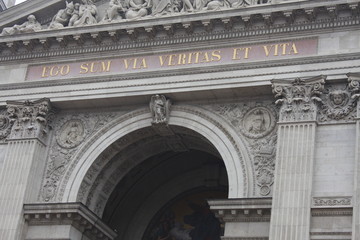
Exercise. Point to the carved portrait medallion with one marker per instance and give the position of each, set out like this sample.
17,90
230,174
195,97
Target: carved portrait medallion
258,122
71,134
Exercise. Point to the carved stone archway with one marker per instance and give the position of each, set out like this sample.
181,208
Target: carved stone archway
220,134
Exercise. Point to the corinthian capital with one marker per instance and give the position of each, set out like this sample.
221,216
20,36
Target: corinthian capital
30,119
298,98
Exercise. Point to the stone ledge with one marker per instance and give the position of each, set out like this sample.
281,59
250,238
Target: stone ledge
75,214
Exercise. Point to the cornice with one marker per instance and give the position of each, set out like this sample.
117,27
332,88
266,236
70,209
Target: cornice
75,214
125,35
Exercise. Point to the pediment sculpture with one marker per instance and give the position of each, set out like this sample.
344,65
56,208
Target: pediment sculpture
85,12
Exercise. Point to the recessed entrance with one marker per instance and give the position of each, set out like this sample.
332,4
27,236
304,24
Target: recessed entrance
175,176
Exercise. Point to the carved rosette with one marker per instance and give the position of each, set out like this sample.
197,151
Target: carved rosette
299,99
30,119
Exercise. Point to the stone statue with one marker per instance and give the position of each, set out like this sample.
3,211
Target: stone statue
61,19
75,15
160,109
240,3
113,13
32,25
87,14
217,5
137,9
162,7
187,6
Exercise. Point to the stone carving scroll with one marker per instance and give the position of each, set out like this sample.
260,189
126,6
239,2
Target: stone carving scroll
299,99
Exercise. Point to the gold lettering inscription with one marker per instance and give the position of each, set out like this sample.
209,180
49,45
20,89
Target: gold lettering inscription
95,67
244,51
56,70
282,48
135,63
189,58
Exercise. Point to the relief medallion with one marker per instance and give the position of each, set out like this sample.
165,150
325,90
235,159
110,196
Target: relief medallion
71,134
258,122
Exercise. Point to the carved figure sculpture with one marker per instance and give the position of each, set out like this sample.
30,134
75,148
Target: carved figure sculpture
61,19
199,4
217,5
113,13
338,97
137,9
161,7
160,108
240,3
32,25
258,123
187,6
75,15
87,14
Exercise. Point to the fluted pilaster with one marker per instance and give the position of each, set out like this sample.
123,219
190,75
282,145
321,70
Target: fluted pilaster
290,217
23,163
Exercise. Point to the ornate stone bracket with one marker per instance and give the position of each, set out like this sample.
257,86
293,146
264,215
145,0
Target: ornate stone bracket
30,119
72,214
299,99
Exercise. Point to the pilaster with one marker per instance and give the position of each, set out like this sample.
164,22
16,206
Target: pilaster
23,163
354,86
291,207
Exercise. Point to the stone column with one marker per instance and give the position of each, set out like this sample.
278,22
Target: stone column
291,206
23,164
354,86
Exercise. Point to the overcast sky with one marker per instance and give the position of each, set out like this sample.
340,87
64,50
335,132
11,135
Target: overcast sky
19,1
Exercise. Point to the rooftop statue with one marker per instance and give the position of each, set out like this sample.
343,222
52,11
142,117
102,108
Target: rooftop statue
137,9
32,25
62,18
87,14
115,12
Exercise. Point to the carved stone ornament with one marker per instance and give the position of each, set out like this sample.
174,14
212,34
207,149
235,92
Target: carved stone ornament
258,122
71,134
31,25
299,99
338,105
5,125
328,202
30,119
160,109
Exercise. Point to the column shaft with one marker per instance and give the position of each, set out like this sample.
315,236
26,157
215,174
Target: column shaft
290,218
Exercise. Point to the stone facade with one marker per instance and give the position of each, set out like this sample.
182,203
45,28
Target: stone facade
118,118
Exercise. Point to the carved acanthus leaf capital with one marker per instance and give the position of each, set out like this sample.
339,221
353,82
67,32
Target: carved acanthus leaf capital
30,118
298,98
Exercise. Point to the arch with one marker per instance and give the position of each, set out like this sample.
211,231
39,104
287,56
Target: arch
215,129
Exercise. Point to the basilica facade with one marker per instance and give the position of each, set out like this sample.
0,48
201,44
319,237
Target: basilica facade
180,120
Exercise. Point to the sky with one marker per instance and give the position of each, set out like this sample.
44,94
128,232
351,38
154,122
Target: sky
19,1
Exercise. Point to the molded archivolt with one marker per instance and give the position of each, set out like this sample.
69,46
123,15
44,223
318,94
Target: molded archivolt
209,125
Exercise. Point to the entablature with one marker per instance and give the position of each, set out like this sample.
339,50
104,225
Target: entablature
240,23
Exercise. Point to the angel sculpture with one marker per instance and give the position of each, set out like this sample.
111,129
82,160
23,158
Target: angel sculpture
160,109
